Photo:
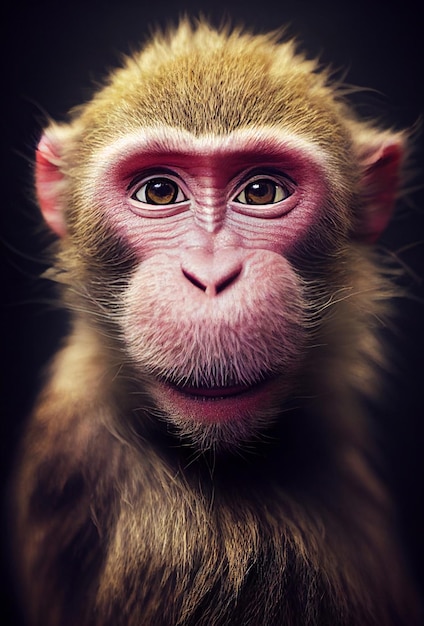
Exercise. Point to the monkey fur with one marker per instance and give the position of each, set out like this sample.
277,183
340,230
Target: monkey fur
127,512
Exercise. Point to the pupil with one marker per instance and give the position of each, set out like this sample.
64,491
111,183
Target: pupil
260,192
161,192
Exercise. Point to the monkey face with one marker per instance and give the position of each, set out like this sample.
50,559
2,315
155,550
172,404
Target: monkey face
214,312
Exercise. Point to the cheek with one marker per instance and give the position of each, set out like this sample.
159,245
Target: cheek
250,332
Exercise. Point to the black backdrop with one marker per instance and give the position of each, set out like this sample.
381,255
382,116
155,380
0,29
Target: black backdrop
53,53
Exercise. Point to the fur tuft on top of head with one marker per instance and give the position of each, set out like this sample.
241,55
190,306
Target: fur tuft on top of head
225,79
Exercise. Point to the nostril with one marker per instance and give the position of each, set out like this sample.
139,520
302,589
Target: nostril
194,280
226,282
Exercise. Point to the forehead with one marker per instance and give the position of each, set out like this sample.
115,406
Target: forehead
218,91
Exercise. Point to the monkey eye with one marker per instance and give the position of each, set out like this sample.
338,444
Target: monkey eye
159,191
263,191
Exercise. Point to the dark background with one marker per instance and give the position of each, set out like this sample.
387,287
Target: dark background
53,53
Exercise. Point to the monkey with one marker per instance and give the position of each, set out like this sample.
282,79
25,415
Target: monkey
200,452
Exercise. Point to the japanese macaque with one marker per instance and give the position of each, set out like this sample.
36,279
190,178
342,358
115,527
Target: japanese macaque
199,455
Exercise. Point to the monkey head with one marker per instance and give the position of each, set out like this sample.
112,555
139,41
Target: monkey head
212,201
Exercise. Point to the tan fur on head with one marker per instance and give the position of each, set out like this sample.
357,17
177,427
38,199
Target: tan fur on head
261,82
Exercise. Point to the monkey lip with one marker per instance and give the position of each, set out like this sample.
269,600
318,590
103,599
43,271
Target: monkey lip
215,393
214,405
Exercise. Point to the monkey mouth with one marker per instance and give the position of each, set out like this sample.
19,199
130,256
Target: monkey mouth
213,404
215,393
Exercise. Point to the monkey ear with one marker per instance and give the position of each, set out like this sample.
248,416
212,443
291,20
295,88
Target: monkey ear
50,180
381,177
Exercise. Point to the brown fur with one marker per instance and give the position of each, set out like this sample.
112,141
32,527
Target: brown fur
118,523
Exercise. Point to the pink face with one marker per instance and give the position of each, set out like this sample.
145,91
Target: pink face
214,314
212,174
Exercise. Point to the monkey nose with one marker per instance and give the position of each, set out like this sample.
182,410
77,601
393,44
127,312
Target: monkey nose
212,273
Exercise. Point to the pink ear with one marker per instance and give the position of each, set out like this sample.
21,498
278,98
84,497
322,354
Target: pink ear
380,185
50,182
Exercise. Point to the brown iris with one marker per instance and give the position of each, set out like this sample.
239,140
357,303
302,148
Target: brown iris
260,192
161,191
